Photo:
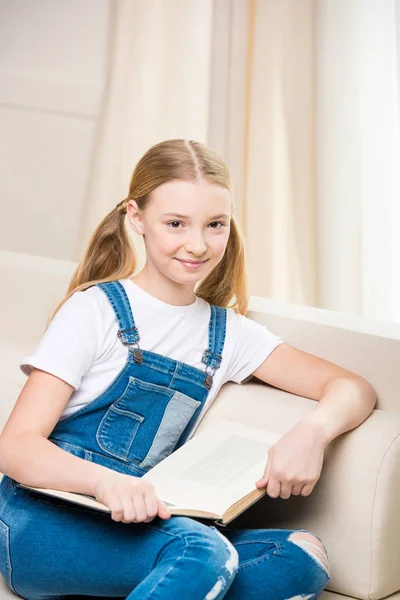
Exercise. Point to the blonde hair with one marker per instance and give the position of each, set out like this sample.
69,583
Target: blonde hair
110,255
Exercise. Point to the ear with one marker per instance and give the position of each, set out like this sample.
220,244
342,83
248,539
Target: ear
134,215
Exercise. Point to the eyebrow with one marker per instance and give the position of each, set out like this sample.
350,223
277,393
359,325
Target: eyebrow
171,214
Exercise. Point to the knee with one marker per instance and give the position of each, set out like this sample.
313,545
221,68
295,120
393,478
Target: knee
214,549
217,558
312,545
227,551
223,564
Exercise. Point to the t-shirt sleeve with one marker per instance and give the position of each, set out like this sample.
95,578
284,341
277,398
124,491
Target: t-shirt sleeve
253,344
71,342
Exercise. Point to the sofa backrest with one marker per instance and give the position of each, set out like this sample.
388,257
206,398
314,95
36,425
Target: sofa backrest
368,347
31,288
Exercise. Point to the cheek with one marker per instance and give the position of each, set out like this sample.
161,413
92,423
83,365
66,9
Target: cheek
220,243
164,244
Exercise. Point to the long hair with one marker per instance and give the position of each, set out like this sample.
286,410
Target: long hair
110,255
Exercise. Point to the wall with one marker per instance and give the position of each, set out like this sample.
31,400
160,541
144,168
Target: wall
53,69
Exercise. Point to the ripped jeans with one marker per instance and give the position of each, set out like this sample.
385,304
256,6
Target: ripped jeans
53,550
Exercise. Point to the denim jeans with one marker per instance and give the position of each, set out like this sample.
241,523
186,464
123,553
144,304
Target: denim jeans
52,550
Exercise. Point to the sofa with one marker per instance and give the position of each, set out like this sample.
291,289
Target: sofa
355,505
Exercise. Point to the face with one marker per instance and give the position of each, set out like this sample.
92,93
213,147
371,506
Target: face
186,227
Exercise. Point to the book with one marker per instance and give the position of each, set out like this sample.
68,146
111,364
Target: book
212,476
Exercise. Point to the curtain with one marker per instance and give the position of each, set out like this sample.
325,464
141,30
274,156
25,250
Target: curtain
358,156
301,99
157,88
267,138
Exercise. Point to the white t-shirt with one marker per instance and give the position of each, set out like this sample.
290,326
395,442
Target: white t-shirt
81,345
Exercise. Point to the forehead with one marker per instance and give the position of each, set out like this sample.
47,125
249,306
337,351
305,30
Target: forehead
190,197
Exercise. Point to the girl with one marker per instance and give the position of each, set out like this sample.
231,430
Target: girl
122,377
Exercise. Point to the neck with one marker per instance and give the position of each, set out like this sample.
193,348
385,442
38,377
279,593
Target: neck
165,290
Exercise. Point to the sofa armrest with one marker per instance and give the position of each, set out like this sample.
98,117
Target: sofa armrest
354,506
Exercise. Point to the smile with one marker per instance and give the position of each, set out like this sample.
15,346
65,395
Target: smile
191,265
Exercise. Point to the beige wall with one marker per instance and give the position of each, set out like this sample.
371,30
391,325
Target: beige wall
52,67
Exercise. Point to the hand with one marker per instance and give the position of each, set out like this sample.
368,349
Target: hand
130,499
294,463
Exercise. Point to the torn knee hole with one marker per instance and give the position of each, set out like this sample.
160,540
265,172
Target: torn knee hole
312,545
232,564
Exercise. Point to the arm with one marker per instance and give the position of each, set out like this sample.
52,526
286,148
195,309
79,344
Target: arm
28,456
344,401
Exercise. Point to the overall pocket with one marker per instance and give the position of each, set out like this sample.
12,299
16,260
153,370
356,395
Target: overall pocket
5,560
145,423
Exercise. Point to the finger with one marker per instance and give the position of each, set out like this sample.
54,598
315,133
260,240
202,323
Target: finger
307,489
296,489
286,490
262,482
151,504
273,488
117,509
163,510
264,479
140,508
129,509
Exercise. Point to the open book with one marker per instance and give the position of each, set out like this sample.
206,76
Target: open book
212,476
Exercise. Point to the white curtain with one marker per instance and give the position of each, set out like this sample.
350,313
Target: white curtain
262,123
301,99
312,134
358,156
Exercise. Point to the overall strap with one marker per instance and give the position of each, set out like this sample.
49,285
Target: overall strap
216,338
119,301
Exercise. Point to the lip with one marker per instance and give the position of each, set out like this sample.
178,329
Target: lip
192,264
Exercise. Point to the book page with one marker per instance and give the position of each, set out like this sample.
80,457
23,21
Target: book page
214,469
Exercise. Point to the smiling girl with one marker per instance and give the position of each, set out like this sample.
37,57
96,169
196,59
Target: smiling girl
122,376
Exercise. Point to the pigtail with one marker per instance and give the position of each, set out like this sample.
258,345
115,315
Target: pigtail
226,284
109,255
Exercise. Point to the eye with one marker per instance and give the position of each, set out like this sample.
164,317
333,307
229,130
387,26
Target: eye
218,223
171,223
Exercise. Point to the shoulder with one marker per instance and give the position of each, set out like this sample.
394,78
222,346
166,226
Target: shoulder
243,328
73,340
238,320
235,322
83,309
248,344
93,296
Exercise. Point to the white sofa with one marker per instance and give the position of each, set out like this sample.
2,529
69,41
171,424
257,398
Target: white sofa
355,506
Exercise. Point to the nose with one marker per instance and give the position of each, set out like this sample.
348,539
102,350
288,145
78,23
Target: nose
195,244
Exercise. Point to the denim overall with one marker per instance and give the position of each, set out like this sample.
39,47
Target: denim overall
146,413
